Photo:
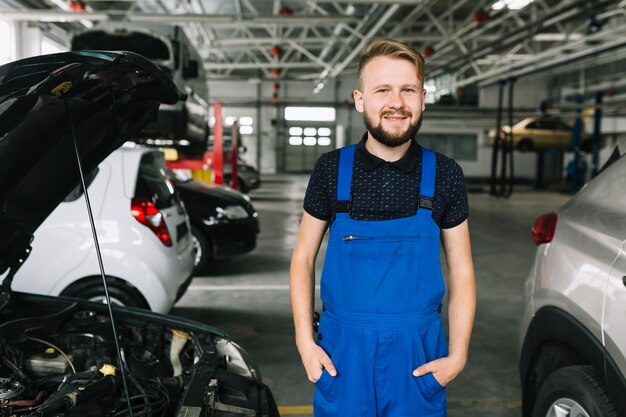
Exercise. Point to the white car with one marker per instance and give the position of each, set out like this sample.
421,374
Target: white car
142,228
573,344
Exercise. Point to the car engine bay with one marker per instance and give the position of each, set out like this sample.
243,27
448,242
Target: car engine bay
64,363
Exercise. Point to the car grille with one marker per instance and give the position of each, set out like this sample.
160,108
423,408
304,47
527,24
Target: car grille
181,231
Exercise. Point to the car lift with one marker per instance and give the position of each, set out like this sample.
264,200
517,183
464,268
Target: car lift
210,166
577,135
502,186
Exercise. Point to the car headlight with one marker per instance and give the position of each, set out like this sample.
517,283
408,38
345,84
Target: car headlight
232,212
238,361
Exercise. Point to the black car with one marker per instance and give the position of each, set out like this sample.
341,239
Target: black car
68,357
248,177
223,221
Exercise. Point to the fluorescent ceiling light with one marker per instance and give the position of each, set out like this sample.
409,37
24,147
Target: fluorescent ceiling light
511,4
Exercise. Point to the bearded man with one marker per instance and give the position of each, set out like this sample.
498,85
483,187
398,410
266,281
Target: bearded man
380,348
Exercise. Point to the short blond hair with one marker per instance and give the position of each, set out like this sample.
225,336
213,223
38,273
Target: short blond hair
391,48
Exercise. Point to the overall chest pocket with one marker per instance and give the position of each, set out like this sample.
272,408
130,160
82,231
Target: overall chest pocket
359,246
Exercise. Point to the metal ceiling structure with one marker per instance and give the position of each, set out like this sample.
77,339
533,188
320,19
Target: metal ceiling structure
465,41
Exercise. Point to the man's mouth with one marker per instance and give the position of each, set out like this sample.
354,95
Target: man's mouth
395,118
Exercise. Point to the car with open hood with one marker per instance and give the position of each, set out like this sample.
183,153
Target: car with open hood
61,356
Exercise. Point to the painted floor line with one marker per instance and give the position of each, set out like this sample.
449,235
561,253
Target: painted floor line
486,405
201,287
295,410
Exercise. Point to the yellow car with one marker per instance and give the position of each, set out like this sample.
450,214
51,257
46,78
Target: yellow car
534,133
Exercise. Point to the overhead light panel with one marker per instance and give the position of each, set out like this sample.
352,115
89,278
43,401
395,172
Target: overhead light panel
511,4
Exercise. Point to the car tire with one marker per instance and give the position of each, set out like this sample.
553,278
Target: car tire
525,145
120,292
243,187
202,246
573,391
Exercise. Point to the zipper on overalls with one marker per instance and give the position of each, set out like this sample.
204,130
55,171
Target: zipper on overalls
351,237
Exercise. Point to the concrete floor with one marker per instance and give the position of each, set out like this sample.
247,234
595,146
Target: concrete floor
248,297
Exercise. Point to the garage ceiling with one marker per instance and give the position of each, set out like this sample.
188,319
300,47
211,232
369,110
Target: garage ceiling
467,41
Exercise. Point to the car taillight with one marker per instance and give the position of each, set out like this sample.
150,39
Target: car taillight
147,214
543,230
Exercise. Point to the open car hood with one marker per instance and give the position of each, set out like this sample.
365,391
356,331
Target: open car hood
104,97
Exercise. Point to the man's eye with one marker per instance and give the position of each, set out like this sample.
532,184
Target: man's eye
382,90
409,90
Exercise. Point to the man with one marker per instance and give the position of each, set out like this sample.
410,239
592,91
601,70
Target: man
380,348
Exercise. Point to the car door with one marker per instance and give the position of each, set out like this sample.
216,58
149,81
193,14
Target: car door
614,317
615,311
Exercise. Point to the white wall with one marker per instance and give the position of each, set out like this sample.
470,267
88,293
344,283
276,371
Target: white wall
528,93
27,40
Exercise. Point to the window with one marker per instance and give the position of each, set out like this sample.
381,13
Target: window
310,131
5,42
152,183
246,130
310,135
314,114
323,131
323,141
461,147
295,131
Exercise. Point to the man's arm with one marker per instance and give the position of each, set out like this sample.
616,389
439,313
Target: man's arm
461,304
302,292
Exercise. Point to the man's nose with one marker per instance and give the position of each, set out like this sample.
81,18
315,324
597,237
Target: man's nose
396,100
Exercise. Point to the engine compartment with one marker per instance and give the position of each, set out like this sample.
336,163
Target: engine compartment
61,360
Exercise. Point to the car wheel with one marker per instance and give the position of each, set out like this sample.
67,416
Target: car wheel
525,145
202,247
574,391
121,293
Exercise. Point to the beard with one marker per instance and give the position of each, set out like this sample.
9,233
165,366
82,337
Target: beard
392,139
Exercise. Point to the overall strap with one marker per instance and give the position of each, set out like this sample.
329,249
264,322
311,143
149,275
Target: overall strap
344,180
427,183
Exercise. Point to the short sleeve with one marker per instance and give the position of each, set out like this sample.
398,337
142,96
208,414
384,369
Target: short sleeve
318,198
456,209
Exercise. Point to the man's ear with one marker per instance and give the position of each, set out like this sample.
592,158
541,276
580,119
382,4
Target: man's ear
358,100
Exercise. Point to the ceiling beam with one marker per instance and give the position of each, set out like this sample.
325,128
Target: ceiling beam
211,66
217,21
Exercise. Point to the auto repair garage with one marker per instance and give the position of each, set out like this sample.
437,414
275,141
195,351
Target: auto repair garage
154,162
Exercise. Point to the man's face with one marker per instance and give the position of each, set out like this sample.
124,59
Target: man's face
391,100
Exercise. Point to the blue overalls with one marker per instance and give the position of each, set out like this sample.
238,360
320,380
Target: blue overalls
381,290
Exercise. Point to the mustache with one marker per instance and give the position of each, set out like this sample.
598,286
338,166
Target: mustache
397,113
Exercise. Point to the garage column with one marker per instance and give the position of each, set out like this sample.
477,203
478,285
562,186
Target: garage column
27,40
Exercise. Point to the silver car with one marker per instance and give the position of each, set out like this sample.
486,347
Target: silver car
573,333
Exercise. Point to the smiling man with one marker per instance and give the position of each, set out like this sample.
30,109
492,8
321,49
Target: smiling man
380,348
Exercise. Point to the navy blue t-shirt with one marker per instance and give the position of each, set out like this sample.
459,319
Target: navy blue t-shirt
387,190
